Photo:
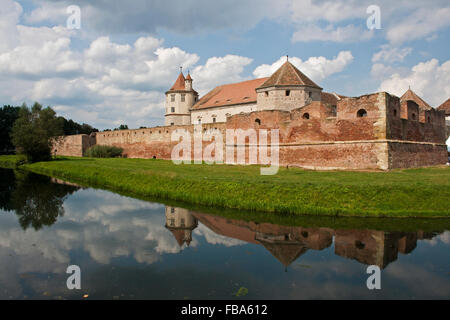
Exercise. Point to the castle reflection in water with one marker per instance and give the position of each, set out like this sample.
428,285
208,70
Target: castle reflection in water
287,244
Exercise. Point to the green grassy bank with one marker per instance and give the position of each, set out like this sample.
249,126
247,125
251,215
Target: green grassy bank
406,193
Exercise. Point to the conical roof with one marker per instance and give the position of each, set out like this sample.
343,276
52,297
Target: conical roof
179,83
288,75
189,77
411,95
286,253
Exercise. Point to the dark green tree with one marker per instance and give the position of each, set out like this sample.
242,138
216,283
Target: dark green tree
8,115
35,131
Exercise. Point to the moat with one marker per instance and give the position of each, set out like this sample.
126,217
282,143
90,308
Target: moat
133,249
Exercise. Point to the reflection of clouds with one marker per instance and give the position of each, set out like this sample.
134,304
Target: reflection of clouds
420,282
444,238
214,238
118,227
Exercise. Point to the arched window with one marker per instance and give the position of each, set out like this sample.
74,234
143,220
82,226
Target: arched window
258,122
362,113
305,116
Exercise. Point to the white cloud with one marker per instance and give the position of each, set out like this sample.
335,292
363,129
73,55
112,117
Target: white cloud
218,71
349,33
429,79
420,24
391,54
317,68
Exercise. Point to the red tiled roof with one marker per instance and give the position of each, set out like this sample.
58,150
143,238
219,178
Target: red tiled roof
288,75
179,83
230,94
189,77
411,95
445,107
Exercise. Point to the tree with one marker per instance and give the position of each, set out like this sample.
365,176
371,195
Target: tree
8,115
34,132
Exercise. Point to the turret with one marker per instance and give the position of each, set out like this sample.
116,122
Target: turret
179,100
287,89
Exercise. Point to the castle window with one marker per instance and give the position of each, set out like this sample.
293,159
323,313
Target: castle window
172,210
173,109
288,93
199,121
413,116
172,98
395,112
362,113
214,120
310,94
172,124
183,98
333,111
306,116
258,122
267,93
429,119
360,245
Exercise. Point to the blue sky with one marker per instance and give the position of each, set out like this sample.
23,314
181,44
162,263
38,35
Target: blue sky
116,68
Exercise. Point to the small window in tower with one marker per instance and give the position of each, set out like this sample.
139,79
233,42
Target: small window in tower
172,98
413,116
429,119
306,116
172,124
288,93
172,210
395,112
267,93
258,122
199,121
310,94
183,98
333,111
173,109
362,113
214,120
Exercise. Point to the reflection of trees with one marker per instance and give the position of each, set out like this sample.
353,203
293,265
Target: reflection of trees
6,189
37,201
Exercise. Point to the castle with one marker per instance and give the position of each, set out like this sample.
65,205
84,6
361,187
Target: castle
318,130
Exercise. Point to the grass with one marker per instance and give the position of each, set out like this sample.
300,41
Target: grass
419,193
11,161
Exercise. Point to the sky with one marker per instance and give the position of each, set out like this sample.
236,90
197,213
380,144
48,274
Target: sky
117,66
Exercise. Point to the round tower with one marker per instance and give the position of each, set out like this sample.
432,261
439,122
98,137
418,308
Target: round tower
179,101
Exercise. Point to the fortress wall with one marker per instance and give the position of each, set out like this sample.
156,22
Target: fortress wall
381,140
73,146
412,155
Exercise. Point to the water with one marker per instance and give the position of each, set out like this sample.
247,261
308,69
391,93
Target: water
133,249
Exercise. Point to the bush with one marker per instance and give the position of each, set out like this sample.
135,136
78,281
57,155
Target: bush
104,152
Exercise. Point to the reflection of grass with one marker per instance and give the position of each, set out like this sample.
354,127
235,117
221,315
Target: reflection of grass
401,193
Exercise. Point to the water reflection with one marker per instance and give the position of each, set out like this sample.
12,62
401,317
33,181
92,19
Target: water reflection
140,249
287,244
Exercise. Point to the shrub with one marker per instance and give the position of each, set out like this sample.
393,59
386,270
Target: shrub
104,152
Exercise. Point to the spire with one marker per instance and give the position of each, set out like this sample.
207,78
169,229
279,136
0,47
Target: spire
189,77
